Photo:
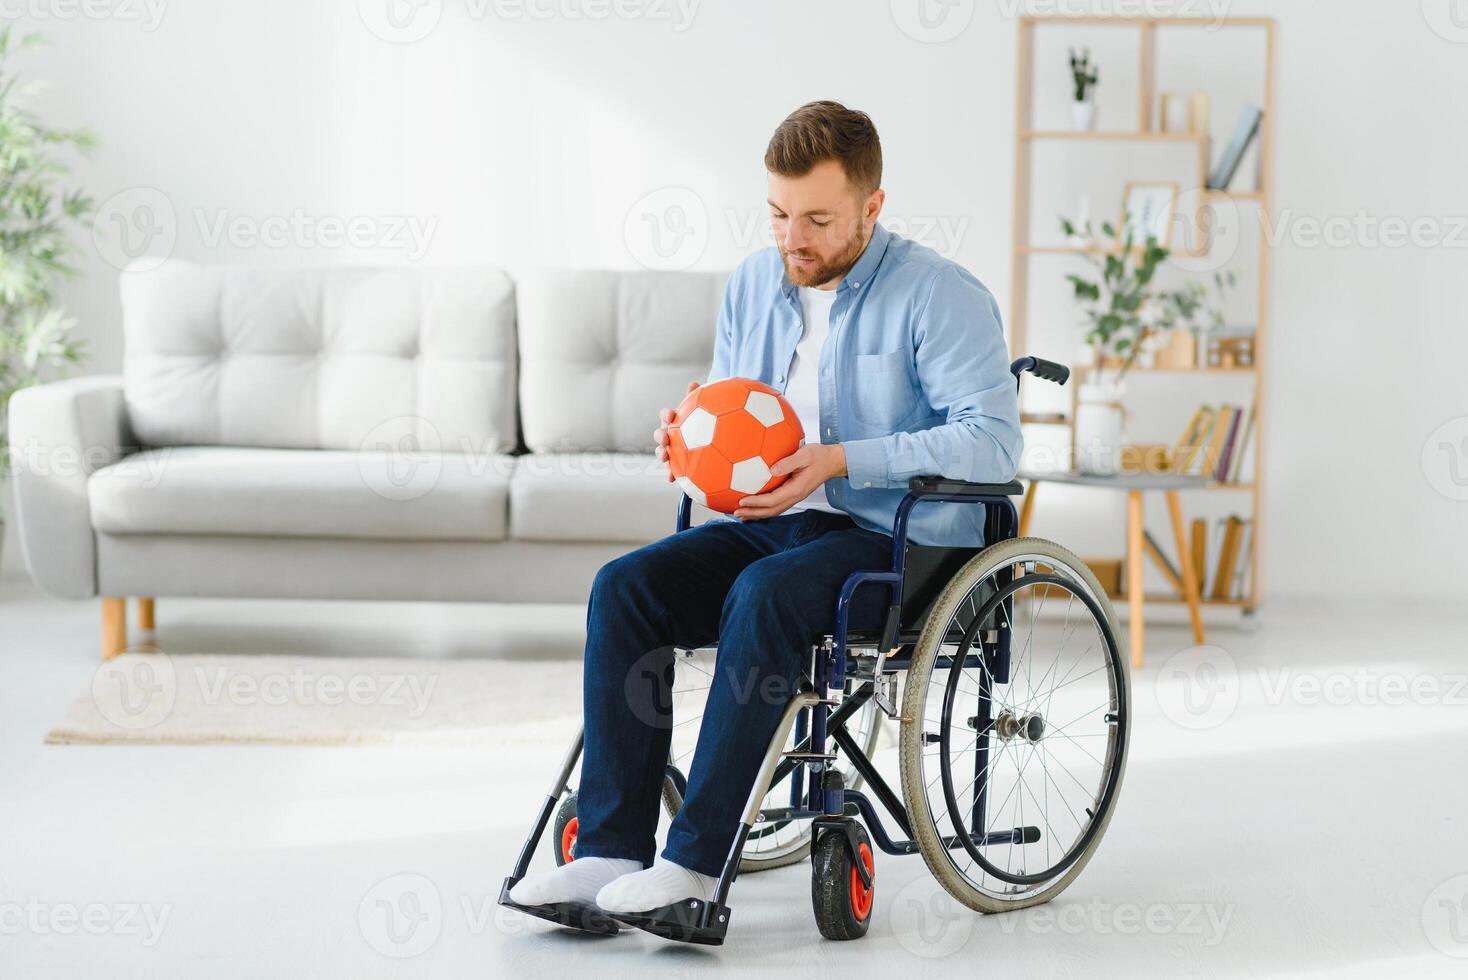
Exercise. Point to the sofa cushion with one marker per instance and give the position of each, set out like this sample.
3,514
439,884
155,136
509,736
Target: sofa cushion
601,352
615,497
319,358
286,492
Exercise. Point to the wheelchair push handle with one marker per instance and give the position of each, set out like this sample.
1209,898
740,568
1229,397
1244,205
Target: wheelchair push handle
1041,368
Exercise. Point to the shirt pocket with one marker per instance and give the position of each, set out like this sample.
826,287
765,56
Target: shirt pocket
882,393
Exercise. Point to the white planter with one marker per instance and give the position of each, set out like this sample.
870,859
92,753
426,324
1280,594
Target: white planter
1083,116
1099,418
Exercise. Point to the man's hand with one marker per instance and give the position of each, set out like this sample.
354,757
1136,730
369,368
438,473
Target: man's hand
809,467
660,434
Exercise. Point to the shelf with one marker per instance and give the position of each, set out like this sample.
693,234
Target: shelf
1113,136
1234,195
1137,369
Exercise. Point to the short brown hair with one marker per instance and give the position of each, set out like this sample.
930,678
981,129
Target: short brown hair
827,130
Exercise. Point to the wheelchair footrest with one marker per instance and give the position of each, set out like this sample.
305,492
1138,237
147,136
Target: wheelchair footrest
688,921
581,916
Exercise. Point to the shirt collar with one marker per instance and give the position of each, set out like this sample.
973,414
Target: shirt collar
865,267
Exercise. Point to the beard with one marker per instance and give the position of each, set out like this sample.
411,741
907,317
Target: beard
824,272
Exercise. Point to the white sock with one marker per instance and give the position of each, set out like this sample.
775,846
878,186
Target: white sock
575,881
662,884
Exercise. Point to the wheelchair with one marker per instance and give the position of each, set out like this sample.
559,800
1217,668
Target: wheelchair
1001,665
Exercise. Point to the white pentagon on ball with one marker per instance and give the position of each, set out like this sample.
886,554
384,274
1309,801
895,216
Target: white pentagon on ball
698,429
694,494
750,475
765,407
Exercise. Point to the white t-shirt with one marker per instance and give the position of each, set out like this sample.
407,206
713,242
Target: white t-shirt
803,390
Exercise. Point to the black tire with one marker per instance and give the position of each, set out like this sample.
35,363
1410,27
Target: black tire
563,835
842,905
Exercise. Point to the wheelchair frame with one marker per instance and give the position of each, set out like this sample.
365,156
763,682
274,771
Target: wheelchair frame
818,720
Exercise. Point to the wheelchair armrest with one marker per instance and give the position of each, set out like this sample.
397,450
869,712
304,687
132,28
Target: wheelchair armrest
924,485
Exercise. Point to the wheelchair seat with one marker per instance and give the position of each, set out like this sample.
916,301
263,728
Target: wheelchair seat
928,568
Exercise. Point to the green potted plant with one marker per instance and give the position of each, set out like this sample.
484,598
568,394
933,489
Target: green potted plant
37,218
1084,77
1128,318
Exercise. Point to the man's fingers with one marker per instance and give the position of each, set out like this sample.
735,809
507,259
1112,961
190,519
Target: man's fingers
692,385
661,436
791,463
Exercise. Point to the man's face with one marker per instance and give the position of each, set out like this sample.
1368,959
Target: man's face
821,223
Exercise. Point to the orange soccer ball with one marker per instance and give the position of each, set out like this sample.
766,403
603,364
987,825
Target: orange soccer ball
725,437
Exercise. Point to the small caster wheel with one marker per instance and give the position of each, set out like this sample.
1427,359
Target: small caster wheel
842,902
563,836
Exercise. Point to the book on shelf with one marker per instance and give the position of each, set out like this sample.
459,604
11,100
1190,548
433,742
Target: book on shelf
1225,455
1192,439
1244,134
1214,443
1236,463
1228,557
1246,552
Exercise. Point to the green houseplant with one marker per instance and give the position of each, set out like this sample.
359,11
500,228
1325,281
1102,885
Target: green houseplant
38,217
1126,314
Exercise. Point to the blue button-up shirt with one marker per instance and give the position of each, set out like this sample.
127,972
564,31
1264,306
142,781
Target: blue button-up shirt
914,378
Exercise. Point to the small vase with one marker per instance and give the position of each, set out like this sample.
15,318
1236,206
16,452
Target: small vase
1098,431
1083,116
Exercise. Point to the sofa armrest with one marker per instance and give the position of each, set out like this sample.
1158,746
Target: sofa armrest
60,433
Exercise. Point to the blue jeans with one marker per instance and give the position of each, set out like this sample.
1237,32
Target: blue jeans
764,590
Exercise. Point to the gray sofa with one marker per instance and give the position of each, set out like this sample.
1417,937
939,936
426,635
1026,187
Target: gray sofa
429,434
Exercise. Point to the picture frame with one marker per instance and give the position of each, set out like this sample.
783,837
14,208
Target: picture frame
1149,206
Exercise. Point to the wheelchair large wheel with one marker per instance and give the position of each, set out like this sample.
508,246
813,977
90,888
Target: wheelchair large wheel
770,844
1016,715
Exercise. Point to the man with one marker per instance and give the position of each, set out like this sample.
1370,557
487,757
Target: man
894,360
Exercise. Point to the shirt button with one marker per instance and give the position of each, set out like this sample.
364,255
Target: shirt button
780,378
856,285
867,484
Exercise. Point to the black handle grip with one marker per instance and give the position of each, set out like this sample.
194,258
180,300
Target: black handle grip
1041,368
1050,371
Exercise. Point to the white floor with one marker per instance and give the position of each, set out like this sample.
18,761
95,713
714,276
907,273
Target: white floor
1295,804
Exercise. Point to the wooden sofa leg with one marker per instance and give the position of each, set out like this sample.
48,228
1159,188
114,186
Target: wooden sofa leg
114,626
145,613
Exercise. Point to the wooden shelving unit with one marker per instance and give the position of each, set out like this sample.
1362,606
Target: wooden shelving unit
1148,30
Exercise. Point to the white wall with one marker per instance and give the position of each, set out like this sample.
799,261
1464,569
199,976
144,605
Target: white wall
520,139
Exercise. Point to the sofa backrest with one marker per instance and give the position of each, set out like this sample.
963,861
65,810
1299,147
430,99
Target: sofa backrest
601,352
320,358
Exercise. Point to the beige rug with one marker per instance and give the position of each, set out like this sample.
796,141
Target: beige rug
157,698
